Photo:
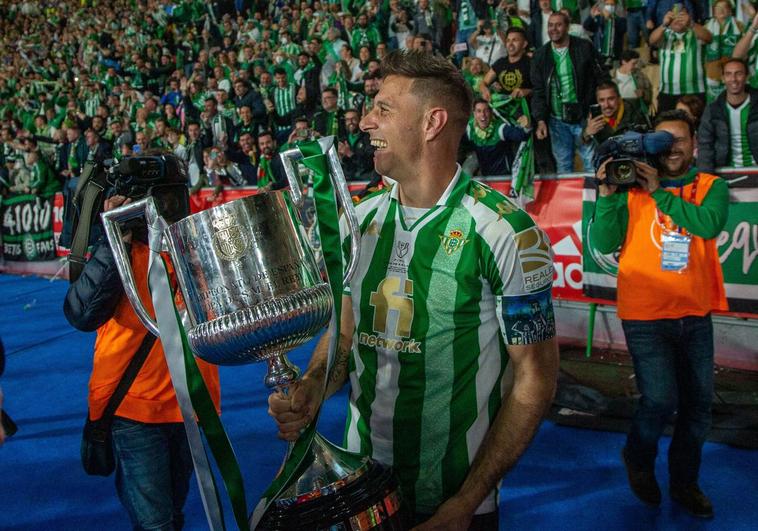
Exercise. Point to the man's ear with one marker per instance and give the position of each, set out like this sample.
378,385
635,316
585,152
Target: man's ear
435,120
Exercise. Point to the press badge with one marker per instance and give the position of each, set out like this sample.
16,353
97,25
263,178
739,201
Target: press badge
675,251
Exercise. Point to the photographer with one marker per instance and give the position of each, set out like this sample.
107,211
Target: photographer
153,463
669,281
611,116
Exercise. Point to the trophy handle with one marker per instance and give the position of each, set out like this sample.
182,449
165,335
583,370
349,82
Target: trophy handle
290,159
111,219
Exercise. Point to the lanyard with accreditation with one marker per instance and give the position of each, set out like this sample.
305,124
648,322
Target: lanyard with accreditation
675,241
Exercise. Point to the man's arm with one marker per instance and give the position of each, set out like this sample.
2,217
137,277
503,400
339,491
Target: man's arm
535,376
706,136
742,48
656,36
484,84
705,220
295,410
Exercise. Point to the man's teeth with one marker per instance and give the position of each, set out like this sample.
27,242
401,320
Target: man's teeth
379,144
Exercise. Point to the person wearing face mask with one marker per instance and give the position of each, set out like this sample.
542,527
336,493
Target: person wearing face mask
669,282
607,29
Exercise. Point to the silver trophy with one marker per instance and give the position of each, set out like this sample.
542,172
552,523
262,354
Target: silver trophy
253,291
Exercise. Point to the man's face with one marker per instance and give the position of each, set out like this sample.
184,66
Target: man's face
329,101
281,80
141,139
515,44
265,79
193,131
266,145
609,102
735,78
246,143
239,89
395,127
482,115
362,21
97,123
72,134
302,61
116,128
680,158
557,28
160,128
246,114
210,107
91,138
352,122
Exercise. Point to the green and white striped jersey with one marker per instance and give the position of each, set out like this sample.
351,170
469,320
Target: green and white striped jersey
682,63
435,302
739,148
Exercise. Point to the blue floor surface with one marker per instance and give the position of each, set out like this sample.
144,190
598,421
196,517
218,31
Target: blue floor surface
568,479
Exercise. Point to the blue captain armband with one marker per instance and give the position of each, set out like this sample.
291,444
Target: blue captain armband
526,319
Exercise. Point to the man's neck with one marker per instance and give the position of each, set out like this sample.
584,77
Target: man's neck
515,58
562,43
735,100
426,186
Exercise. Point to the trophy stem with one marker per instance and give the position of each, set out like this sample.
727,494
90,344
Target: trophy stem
281,372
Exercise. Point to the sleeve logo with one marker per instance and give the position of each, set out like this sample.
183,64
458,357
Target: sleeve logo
535,258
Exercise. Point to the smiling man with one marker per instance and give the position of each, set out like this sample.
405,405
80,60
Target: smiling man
452,288
669,282
728,134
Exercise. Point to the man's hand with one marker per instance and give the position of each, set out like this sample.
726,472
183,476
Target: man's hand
541,130
754,25
453,515
343,149
604,189
523,121
668,18
594,125
295,410
115,202
649,25
647,177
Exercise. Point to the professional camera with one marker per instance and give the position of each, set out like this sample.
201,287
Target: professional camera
627,149
161,175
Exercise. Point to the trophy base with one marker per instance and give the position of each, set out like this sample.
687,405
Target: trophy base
264,330
338,491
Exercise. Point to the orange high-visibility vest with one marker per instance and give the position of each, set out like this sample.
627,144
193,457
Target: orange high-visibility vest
645,291
151,397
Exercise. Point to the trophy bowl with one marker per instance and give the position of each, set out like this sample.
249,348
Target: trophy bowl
252,286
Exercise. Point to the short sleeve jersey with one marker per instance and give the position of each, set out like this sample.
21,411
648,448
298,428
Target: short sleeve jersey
435,304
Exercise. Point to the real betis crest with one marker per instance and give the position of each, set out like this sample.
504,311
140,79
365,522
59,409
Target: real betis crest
454,241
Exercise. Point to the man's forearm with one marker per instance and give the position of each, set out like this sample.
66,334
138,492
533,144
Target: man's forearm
318,364
514,426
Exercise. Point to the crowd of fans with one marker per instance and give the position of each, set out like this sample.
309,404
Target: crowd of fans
226,85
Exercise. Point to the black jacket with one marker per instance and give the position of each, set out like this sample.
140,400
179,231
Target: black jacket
92,299
713,138
587,74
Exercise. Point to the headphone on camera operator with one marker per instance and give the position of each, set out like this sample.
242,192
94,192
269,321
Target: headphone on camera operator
107,184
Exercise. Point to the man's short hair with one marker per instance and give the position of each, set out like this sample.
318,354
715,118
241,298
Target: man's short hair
266,132
477,101
352,109
735,60
605,85
434,79
629,55
515,29
563,15
211,98
675,115
330,90
280,71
